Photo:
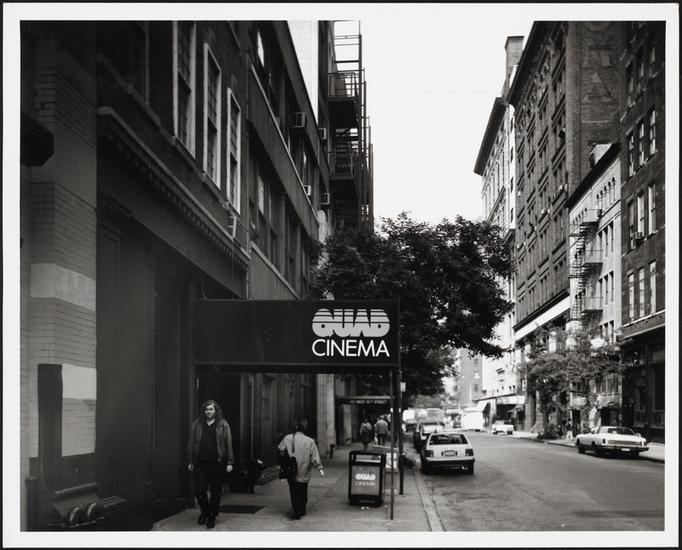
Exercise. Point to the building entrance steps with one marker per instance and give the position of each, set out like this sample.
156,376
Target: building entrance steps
328,507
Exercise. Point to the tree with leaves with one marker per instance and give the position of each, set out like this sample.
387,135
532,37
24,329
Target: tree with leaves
445,277
577,361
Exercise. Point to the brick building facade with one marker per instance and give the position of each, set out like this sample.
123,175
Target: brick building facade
165,162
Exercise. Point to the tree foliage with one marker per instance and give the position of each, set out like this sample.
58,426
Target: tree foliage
445,277
577,361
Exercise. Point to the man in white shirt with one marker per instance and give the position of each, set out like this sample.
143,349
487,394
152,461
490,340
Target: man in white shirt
307,456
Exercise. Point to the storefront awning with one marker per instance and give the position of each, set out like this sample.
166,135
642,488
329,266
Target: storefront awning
478,407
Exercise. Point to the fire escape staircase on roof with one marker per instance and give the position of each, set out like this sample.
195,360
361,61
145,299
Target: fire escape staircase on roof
585,261
350,155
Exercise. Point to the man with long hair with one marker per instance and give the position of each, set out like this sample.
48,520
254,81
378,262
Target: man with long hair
304,449
210,457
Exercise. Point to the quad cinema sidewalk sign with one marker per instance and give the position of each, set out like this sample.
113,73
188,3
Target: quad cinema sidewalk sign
297,335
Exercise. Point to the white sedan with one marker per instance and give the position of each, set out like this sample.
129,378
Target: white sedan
502,427
611,439
447,448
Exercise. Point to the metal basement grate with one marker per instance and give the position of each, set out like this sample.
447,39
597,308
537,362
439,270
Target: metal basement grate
239,508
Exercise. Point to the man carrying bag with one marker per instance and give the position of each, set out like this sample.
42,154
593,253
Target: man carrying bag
299,454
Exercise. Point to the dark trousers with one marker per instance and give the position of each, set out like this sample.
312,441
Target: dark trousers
209,476
299,496
381,438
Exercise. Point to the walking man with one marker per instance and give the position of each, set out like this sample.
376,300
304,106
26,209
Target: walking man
210,457
381,429
307,456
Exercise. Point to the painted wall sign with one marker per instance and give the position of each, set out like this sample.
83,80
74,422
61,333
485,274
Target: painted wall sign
296,335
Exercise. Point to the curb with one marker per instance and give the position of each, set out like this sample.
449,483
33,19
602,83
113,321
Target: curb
432,516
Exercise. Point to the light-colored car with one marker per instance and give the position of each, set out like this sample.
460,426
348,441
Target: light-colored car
611,439
447,448
422,432
502,427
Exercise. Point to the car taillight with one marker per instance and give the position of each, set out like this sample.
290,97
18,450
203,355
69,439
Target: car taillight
603,441
428,453
469,452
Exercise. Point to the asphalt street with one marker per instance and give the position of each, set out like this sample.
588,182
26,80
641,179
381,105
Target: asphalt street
522,485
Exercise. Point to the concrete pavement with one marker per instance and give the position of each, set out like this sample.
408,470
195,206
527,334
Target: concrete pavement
269,509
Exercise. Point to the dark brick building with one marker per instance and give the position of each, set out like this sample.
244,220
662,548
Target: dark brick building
642,140
164,162
566,99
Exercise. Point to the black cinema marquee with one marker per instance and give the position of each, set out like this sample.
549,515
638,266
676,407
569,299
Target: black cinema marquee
297,335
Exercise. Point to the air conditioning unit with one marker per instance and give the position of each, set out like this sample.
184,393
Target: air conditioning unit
638,236
298,120
325,199
561,188
323,134
232,225
308,190
519,194
562,133
543,212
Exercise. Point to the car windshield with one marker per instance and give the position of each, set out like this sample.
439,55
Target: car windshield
617,430
448,439
429,428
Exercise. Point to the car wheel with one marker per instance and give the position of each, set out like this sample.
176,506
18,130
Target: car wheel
596,450
581,449
426,469
470,469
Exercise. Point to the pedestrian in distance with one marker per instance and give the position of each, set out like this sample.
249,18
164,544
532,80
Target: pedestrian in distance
569,430
366,433
210,457
381,429
303,448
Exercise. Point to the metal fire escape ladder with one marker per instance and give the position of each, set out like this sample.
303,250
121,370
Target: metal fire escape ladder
585,261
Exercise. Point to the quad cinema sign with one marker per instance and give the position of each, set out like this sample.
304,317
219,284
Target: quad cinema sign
296,335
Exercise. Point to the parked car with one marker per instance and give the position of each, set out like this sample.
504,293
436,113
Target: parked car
422,432
611,439
449,448
503,427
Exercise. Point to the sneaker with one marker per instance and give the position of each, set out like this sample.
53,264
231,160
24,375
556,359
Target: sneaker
210,522
202,519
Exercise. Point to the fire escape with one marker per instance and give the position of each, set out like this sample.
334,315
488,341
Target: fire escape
350,148
585,262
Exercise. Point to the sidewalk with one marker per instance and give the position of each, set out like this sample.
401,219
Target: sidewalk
328,508
656,451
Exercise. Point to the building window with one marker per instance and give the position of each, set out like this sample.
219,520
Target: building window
652,131
631,223
640,144
212,102
640,213
630,84
260,48
652,287
606,289
613,294
234,137
651,191
652,58
631,296
631,154
642,302
640,70
184,78
126,45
